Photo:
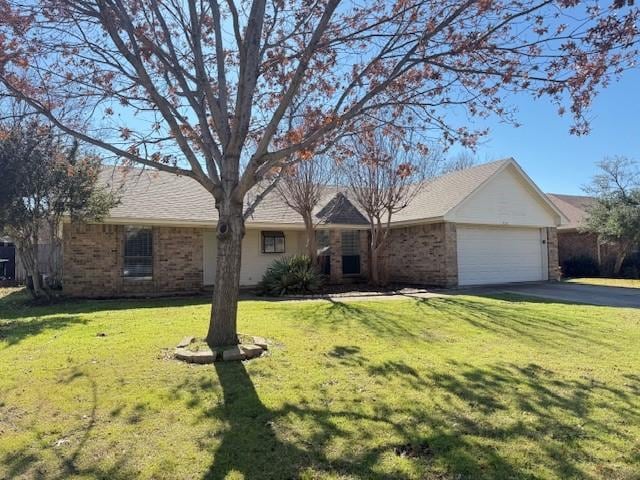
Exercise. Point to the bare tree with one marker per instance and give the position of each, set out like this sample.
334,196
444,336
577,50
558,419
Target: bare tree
383,177
460,161
302,187
615,215
200,88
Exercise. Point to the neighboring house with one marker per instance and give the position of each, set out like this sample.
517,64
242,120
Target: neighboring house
572,242
49,259
487,224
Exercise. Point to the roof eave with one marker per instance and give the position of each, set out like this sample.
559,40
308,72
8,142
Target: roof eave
416,221
213,223
550,204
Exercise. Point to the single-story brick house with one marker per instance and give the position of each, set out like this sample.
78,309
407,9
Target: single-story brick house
486,224
572,241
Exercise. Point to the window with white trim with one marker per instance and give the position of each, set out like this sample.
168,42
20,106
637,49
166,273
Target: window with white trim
138,252
273,242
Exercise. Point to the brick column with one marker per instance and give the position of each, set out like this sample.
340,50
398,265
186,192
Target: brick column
451,255
552,249
335,240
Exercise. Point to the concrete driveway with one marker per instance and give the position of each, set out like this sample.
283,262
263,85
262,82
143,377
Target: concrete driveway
571,292
565,292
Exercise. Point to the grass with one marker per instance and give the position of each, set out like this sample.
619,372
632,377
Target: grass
607,282
9,291
444,388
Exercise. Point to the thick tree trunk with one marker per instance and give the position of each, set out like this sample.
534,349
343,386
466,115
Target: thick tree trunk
374,273
374,267
617,267
222,327
376,247
312,246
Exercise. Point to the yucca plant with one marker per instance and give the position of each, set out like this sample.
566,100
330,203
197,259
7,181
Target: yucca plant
291,275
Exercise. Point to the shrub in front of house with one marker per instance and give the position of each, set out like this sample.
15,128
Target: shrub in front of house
581,266
631,266
291,275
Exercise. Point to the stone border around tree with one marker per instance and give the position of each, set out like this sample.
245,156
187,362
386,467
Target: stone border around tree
242,351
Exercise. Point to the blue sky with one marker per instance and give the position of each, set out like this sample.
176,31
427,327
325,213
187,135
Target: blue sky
557,161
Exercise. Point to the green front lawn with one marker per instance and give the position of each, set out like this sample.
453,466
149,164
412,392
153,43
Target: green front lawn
447,388
606,282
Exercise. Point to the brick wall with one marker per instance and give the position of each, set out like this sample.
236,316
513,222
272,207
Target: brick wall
552,249
576,244
423,255
93,259
335,242
178,259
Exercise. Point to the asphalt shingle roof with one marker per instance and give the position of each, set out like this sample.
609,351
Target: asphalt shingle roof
340,211
574,208
443,193
157,196
153,195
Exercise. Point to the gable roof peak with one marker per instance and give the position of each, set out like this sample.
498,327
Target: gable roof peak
341,211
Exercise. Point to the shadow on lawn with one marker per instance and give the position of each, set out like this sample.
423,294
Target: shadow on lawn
20,318
517,319
14,331
502,421
558,415
252,443
367,314
21,308
23,461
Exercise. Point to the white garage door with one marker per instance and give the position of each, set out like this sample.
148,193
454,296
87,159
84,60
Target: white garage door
500,255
